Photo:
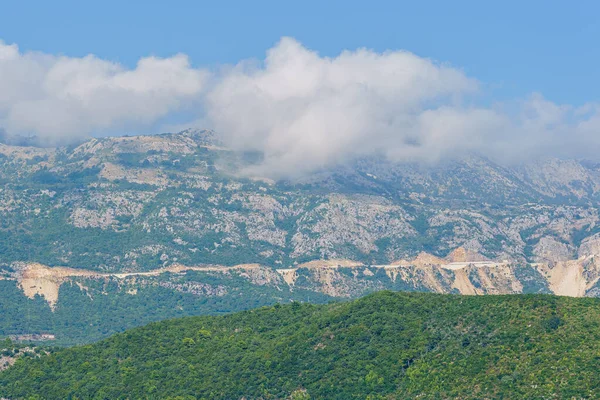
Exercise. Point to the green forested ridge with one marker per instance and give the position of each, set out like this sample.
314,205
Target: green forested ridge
104,308
386,345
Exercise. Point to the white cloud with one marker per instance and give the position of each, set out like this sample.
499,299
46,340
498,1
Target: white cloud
307,112
58,97
303,110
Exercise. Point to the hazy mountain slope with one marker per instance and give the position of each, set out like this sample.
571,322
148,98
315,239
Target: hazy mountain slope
383,346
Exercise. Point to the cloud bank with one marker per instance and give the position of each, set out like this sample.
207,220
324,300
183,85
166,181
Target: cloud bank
307,112
59,98
302,110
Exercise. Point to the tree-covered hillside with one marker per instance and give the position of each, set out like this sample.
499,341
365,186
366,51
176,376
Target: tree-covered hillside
101,308
386,345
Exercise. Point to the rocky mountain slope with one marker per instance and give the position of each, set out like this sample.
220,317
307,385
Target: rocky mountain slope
178,212
155,200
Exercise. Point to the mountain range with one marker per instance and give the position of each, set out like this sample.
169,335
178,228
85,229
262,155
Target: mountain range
178,224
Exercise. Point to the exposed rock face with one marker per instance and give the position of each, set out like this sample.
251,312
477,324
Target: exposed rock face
463,255
424,259
550,250
37,279
460,272
590,246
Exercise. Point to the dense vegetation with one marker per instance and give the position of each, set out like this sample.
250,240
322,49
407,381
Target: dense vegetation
105,308
386,345
10,351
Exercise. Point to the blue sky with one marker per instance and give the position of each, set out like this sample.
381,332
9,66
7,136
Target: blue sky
513,47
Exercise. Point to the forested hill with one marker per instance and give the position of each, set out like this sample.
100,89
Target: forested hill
383,346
